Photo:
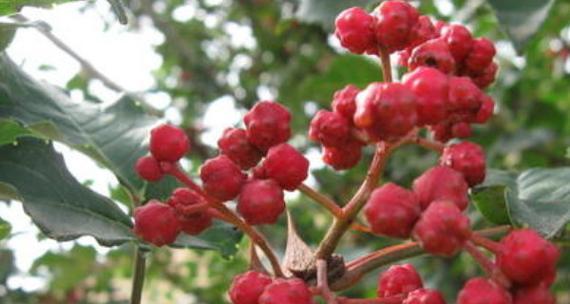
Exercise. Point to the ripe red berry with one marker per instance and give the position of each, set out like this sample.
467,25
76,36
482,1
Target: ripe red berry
395,22
487,76
424,296
467,158
431,89
247,287
527,258
344,157
459,40
442,229
486,110
235,145
442,132
267,124
386,111
392,210
480,56
483,291
461,130
344,101
398,279
429,187
156,223
422,31
261,202
533,295
287,166
222,178
193,223
168,143
290,291
329,128
464,95
148,168
433,53
355,30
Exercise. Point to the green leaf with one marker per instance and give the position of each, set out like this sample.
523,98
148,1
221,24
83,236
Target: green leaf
10,131
489,197
13,6
324,12
221,237
5,229
521,19
541,199
62,207
7,33
114,136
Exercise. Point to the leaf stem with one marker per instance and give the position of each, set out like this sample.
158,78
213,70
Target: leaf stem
138,276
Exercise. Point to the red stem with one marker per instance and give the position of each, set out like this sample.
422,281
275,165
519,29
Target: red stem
490,268
486,243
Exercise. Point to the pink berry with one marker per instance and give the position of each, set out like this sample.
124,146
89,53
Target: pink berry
398,279
486,110
480,56
286,166
386,111
461,130
355,30
395,22
156,223
235,145
191,223
464,95
424,296
467,158
148,168
442,132
168,143
459,39
344,157
483,291
329,128
222,178
344,101
429,187
487,76
267,124
527,258
433,53
247,287
422,31
442,229
392,210
431,89
290,291
261,202
533,295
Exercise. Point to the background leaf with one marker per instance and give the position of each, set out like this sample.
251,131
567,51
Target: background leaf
10,131
324,12
62,207
5,229
221,237
8,7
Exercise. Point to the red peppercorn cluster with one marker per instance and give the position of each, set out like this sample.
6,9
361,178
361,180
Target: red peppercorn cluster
255,287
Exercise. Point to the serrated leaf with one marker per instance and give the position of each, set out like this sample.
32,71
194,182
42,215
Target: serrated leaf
521,19
221,237
5,229
324,12
62,207
12,6
114,136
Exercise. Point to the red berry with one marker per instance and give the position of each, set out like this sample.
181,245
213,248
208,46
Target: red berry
191,223
487,76
461,130
329,128
156,223
222,178
422,32
467,158
355,30
431,89
387,111
247,287
344,157
168,143
267,124
459,40
291,291
464,95
533,295
424,296
392,210
434,53
398,279
235,145
344,101
286,166
483,291
442,229
442,132
148,168
261,202
395,22
526,258
480,56
486,110
429,187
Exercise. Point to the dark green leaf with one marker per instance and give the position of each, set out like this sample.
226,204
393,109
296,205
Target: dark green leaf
221,237
7,32
5,229
324,12
10,131
62,207
489,197
521,19
8,7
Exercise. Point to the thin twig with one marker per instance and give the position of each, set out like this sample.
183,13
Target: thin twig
138,276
